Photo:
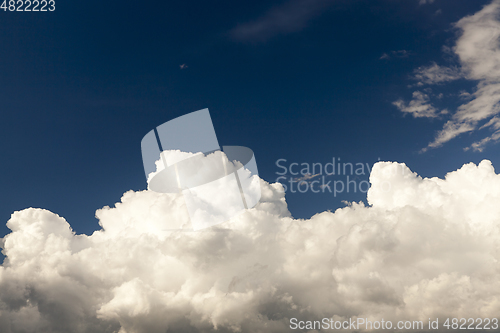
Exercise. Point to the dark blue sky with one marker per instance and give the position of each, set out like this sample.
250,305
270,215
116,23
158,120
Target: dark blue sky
297,80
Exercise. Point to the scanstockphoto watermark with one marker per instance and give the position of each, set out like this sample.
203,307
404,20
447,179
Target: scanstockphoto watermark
357,324
365,324
336,177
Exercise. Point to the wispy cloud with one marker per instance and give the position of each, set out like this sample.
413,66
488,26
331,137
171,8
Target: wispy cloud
307,177
384,56
289,17
395,54
477,50
434,73
418,107
183,66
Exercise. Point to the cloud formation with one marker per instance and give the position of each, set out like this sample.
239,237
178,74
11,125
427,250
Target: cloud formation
395,54
419,106
289,17
424,248
478,52
434,74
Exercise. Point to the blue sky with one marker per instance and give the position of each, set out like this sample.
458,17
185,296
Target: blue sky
304,82
299,82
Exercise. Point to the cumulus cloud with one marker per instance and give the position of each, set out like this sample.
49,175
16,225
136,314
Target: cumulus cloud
423,248
477,50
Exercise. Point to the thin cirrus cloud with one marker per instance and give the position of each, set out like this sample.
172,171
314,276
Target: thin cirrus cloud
424,248
289,17
434,74
395,54
477,51
307,177
419,106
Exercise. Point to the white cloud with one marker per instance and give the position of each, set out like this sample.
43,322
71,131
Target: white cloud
478,52
419,106
434,73
425,248
480,145
450,130
307,177
478,45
